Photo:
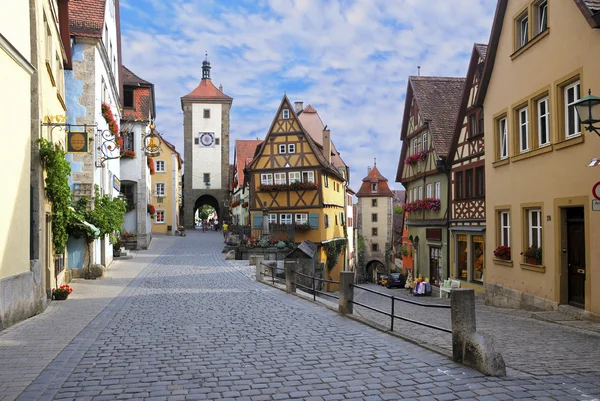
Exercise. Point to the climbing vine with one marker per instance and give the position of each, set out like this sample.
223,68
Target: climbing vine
108,215
333,250
58,191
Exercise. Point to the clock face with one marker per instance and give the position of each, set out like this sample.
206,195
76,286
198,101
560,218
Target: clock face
207,139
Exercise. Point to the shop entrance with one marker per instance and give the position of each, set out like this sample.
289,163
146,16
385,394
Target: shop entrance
435,265
576,256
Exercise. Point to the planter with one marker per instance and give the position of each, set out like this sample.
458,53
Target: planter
533,261
61,297
130,243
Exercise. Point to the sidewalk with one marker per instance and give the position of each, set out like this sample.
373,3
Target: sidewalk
28,347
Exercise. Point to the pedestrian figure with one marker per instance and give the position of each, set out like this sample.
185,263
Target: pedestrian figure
225,228
216,225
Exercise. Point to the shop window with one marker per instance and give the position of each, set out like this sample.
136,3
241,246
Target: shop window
477,255
462,256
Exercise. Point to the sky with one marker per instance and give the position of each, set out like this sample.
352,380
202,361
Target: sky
350,59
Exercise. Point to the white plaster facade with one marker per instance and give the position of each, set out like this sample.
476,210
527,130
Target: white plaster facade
207,159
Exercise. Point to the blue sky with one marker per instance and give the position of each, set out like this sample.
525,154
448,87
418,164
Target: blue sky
350,59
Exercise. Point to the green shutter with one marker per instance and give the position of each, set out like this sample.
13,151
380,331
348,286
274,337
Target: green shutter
313,220
258,220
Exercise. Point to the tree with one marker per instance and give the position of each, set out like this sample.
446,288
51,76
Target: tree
398,210
205,211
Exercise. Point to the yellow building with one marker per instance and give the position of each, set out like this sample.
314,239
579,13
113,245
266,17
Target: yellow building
294,180
166,189
543,57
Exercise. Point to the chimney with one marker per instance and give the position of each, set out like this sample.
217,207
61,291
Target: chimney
327,145
298,106
221,87
368,170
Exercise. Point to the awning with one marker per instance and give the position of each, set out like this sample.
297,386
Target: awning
477,229
95,229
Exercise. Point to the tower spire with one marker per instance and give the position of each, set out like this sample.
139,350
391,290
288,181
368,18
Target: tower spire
206,67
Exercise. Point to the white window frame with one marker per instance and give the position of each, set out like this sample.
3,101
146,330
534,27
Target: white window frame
310,176
373,187
523,125
545,116
438,190
524,30
429,190
292,148
503,142
280,178
266,179
282,149
415,194
577,128
415,146
157,220
286,114
164,166
542,16
285,218
505,224
425,141
164,189
531,228
301,218
272,218
295,176
420,192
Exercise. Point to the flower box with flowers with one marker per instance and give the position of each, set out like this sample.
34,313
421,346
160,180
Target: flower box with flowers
533,255
128,154
113,127
273,187
151,209
61,293
302,228
235,204
302,186
502,252
416,158
432,204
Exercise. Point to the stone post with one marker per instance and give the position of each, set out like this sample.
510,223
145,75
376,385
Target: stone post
470,348
259,271
290,276
346,293
255,260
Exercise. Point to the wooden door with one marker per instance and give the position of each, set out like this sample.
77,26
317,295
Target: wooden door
434,265
576,256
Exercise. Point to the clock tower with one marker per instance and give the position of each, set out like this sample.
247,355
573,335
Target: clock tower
206,149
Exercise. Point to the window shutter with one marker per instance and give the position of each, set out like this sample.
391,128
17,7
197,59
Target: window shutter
258,220
313,220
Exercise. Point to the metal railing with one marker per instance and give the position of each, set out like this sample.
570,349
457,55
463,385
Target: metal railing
392,314
314,279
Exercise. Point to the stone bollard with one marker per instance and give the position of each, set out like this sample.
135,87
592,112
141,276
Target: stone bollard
346,293
254,260
290,276
259,272
470,348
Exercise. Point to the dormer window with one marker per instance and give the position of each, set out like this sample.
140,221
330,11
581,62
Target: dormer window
286,114
374,187
127,97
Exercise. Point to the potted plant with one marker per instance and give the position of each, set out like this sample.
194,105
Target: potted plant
61,293
502,252
533,255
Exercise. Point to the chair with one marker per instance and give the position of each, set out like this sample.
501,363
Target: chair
448,286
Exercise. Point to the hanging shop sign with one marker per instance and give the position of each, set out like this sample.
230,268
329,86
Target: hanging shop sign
77,142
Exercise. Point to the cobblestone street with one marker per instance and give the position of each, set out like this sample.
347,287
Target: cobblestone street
179,322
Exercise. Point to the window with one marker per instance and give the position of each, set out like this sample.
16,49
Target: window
477,258
374,247
504,228
429,190
217,141
282,149
503,139
373,217
336,220
326,217
160,217
374,231
523,30
523,129
294,177
373,202
535,227
479,181
160,189
292,148
472,124
462,255
414,194
415,146
196,141
272,218
308,176
420,192
286,114
469,183
206,113
542,17
350,222
301,218
571,95
543,122
342,218
207,178
438,190
160,166
48,42
127,97
285,218
128,142
374,188
279,178
60,76
128,191
425,143
266,179
326,180
459,185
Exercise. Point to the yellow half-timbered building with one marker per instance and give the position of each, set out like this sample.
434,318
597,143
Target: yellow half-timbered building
295,182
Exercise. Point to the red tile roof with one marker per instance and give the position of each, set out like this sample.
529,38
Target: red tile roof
129,78
143,93
374,176
244,153
172,147
86,17
206,90
312,123
309,109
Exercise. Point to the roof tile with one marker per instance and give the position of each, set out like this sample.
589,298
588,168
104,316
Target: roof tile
374,176
206,90
244,153
86,17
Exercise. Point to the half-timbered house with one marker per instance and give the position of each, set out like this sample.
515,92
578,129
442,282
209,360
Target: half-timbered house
467,187
430,112
295,182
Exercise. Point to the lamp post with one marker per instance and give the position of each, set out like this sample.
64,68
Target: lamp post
588,110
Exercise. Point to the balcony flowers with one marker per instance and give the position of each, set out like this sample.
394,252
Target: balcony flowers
128,154
301,186
502,252
432,204
533,255
273,187
151,165
113,127
302,228
416,158
151,209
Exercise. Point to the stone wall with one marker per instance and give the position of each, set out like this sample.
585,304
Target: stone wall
502,297
16,299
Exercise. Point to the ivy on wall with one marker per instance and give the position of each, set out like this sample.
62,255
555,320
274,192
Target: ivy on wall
333,250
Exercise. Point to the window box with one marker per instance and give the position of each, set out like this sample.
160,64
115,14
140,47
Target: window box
424,204
416,158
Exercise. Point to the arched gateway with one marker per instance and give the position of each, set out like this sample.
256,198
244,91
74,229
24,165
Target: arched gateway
206,148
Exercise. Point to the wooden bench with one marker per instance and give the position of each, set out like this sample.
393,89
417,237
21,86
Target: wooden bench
449,285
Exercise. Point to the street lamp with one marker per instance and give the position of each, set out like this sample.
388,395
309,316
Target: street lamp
588,110
152,142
